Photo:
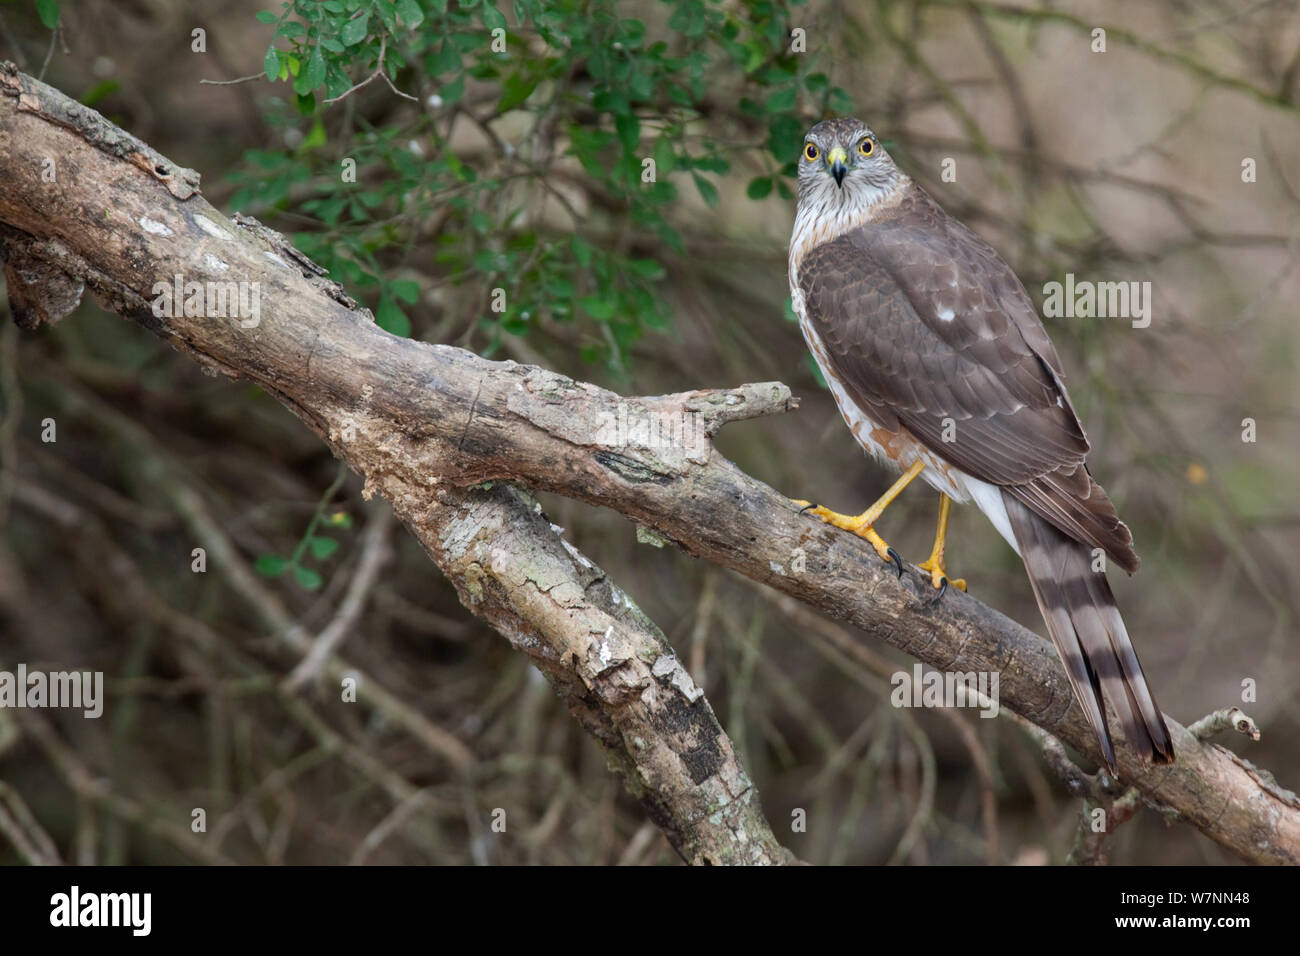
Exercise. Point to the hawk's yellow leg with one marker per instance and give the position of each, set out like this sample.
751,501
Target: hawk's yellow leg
861,524
934,563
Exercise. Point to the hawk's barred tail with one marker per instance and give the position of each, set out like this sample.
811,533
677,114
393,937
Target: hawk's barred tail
1089,634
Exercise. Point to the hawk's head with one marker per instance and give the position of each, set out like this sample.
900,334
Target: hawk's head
842,162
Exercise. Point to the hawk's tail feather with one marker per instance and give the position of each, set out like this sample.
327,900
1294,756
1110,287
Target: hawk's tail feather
1085,625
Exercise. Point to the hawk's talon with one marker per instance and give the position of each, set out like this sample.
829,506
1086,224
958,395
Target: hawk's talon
934,602
897,561
938,575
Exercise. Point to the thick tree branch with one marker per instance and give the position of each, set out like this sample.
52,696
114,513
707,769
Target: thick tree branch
424,423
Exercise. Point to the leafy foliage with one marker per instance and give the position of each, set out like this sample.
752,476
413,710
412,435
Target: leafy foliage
609,117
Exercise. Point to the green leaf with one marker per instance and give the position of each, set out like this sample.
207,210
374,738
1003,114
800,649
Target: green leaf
493,18
270,566
759,188
489,260
516,88
388,14
410,13
336,81
713,164
100,90
785,135
645,268
446,60
408,290
316,137
641,86
597,307
322,547
263,16
391,318
557,287
453,91
48,11
316,68
839,101
708,191
782,101
271,64
307,579
581,250
355,30
313,76
665,156
629,131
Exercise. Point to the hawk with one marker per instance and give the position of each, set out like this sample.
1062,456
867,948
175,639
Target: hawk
940,366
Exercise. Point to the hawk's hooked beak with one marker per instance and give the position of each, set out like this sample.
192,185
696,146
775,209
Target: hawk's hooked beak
837,159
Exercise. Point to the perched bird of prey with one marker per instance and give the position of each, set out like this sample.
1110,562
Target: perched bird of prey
939,364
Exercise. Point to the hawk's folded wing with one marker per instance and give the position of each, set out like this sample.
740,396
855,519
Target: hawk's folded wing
923,321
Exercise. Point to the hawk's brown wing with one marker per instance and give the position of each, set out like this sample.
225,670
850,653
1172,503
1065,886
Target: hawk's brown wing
924,322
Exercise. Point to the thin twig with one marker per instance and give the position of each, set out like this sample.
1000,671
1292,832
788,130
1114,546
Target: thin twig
1230,718
375,553
379,71
242,79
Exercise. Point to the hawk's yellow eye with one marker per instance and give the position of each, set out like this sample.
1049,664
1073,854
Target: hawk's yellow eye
811,152
865,147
